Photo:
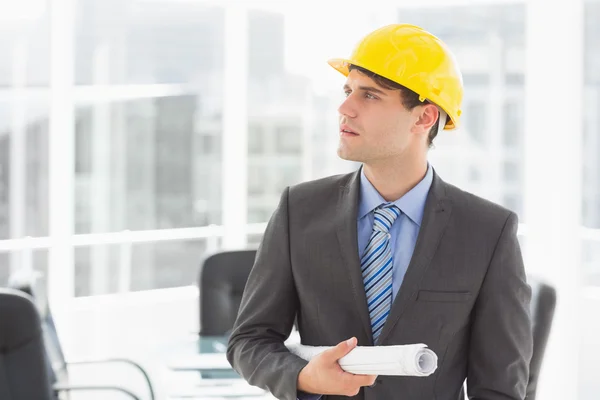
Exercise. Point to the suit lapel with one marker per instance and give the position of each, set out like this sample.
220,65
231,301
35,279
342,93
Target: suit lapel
346,221
435,218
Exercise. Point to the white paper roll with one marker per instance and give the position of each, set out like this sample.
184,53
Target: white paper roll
399,360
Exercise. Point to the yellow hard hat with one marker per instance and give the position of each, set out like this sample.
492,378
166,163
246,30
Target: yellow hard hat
414,58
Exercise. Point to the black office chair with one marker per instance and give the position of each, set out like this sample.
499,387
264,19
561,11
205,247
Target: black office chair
23,364
57,364
543,303
221,282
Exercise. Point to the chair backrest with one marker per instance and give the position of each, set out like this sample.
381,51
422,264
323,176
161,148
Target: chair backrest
543,302
222,280
57,365
23,365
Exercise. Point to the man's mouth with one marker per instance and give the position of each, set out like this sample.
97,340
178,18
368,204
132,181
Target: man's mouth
344,130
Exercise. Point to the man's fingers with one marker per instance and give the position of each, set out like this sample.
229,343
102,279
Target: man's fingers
340,350
352,383
359,380
367,380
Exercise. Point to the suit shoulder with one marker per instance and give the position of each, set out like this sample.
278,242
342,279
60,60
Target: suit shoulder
319,187
473,207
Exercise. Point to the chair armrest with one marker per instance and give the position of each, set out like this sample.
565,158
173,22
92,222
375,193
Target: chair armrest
119,360
69,388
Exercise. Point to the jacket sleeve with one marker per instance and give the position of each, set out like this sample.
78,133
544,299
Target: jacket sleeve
267,311
501,334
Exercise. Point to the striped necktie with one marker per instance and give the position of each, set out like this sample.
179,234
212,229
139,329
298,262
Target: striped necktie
377,266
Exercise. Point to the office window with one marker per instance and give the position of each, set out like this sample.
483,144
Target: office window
513,123
149,153
476,79
209,144
256,180
256,139
258,215
288,139
475,120
511,172
591,112
4,187
474,174
513,203
515,79
287,175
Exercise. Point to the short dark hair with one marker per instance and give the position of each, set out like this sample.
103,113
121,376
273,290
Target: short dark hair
410,99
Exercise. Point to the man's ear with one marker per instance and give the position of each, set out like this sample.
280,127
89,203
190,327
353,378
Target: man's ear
428,114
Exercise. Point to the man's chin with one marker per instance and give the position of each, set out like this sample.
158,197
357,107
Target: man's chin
348,156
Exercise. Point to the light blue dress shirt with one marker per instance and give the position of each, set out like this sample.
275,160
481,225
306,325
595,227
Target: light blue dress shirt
405,229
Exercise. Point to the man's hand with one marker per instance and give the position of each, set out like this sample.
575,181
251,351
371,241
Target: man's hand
323,375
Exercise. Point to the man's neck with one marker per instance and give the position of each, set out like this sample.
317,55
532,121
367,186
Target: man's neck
394,180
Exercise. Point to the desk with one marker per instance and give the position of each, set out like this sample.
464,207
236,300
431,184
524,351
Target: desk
207,354
202,354
218,380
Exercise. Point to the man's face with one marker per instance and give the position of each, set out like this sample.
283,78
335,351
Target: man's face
379,125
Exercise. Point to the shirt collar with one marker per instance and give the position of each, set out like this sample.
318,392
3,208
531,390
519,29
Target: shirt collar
412,203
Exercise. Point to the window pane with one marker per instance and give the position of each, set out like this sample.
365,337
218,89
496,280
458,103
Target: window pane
154,169
511,172
25,44
148,136
167,264
103,269
148,154
28,120
256,139
144,42
256,180
4,187
591,118
513,124
475,120
24,78
288,139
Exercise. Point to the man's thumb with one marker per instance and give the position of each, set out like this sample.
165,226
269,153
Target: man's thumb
341,349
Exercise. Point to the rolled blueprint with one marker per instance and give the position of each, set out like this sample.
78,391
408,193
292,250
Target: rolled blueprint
400,360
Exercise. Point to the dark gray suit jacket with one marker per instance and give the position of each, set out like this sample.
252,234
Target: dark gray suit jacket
464,295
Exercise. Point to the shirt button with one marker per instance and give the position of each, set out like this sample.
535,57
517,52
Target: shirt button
389,235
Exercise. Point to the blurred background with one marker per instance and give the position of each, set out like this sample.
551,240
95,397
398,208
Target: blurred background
138,136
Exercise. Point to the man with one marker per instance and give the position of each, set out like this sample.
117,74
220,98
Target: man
390,254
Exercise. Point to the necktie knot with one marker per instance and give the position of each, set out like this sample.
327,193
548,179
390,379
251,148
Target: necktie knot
385,216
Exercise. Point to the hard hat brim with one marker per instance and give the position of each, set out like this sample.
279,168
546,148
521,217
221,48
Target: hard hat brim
341,65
